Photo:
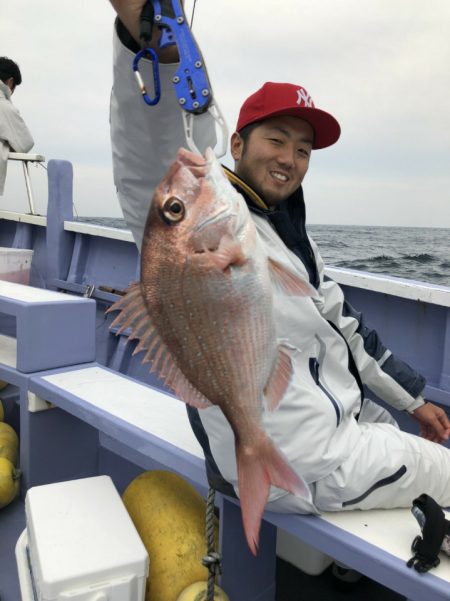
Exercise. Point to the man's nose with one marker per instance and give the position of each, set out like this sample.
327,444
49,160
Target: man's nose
286,155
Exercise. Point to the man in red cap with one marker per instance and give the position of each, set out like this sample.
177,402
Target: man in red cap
279,120
348,449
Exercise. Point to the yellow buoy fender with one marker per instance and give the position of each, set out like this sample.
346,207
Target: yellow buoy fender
2,412
9,442
197,592
3,384
9,482
169,515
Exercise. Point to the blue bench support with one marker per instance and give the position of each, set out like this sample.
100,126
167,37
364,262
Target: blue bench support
147,427
47,441
245,576
59,209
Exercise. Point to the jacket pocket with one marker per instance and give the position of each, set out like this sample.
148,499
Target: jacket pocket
314,368
384,482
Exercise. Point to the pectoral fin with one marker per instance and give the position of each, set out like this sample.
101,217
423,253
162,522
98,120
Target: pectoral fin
279,378
289,282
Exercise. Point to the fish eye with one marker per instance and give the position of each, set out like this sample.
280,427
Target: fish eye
173,210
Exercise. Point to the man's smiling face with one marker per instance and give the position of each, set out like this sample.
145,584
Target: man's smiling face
274,159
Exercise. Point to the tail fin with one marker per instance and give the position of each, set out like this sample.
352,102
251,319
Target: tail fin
259,467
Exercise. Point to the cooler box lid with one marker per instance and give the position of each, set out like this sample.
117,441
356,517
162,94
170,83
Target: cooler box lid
80,534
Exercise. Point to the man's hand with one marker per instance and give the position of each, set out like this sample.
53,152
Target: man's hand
434,423
129,12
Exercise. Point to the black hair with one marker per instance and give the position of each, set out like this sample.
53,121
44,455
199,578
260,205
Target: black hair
245,134
247,130
8,68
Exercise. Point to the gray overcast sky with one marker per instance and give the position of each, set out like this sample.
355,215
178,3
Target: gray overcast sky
381,67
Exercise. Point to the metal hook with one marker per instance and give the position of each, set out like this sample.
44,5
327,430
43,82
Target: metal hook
156,81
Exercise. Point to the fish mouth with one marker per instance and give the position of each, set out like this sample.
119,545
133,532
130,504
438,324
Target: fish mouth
223,215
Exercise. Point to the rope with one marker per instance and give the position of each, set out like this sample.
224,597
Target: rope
213,559
193,13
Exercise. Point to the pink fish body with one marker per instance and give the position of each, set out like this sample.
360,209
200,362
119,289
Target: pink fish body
203,313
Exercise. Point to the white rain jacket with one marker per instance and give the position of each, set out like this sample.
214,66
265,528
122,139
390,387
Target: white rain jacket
14,134
315,424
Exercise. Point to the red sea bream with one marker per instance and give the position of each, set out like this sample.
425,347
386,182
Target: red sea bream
202,312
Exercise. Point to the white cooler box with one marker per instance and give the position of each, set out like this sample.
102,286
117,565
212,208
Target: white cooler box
80,545
15,265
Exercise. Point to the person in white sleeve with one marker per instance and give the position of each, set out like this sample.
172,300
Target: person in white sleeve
14,134
347,448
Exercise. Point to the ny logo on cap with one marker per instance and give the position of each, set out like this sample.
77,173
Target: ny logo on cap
304,98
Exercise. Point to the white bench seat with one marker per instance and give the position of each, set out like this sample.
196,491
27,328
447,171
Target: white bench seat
126,412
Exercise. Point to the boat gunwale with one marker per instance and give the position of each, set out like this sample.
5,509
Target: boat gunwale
392,285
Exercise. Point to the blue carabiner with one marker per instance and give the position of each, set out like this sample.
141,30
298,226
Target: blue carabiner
157,84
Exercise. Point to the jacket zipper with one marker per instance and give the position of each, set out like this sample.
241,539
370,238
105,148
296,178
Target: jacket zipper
314,369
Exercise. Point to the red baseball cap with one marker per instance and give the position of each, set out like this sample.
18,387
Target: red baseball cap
275,99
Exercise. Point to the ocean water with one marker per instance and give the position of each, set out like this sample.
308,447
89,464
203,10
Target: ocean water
416,253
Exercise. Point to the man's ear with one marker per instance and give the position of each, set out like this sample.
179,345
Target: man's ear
10,83
236,145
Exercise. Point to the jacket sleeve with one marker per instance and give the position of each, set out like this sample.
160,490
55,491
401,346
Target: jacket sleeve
145,138
13,129
390,378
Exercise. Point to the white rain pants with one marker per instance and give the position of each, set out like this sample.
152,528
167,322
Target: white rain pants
388,468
